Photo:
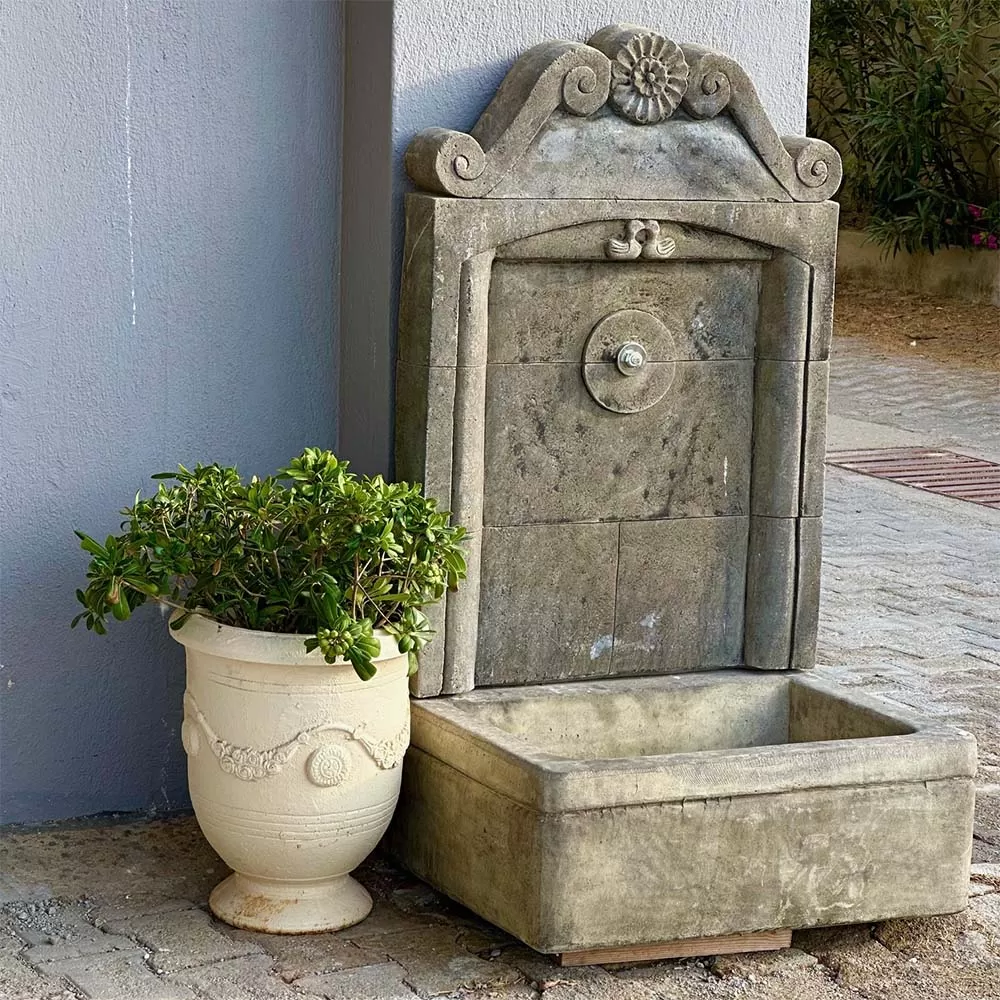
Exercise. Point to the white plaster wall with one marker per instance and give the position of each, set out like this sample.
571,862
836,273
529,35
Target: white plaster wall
449,57
169,181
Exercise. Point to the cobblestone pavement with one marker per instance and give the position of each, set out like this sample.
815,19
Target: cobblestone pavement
911,612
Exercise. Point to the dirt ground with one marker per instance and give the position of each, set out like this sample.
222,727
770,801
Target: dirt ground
951,331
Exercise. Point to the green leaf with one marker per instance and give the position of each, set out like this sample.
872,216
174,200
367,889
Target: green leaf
89,544
363,666
314,550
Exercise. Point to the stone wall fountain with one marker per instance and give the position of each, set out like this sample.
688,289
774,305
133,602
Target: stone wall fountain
614,339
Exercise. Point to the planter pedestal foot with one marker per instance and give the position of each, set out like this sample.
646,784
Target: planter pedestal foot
256,904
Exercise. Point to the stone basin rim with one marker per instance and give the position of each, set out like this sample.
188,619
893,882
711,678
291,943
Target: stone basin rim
513,767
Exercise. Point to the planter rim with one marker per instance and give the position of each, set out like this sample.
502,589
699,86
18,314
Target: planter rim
255,646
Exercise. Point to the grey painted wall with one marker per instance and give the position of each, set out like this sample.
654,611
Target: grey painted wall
449,58
169,177
169,215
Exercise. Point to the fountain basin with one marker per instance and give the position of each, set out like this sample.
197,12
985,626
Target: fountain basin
638,810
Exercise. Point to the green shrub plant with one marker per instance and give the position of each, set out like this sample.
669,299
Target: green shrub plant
909,92
313,550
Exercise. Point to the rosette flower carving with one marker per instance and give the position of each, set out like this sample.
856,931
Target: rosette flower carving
648,78
328,766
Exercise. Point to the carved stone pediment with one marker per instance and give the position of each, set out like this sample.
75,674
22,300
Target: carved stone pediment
630,114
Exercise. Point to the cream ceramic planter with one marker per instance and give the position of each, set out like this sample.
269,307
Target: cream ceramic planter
294,771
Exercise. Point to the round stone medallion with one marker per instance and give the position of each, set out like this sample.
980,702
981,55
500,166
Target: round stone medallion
625,361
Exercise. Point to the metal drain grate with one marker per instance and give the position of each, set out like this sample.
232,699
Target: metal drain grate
944,472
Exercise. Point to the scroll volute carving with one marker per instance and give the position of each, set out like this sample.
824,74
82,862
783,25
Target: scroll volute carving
569,75
645,78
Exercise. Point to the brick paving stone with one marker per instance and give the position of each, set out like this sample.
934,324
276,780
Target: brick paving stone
926,656
117,975
763,963
421,900
236,979
386,919
122,909
520,992
52,930
19,981
544,970
370,982
946,405
296,955
441,960
58,950
985,913
14,889
179,939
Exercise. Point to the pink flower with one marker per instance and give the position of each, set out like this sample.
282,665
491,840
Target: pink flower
977,238
975,211
991,242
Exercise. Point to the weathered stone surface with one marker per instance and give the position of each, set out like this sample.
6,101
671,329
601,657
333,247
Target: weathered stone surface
424,455
425,443
590,240
567,747
805,624
471,857
779,393
649,446
634,162
771,572
547,602
814,438
557,808
530,141
546,310
680,595
783,326
453,230
821,313
553,454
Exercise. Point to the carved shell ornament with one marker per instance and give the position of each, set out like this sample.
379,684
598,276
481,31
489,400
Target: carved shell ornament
642,238
648,78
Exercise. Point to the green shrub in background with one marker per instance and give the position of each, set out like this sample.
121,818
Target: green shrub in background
909,92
